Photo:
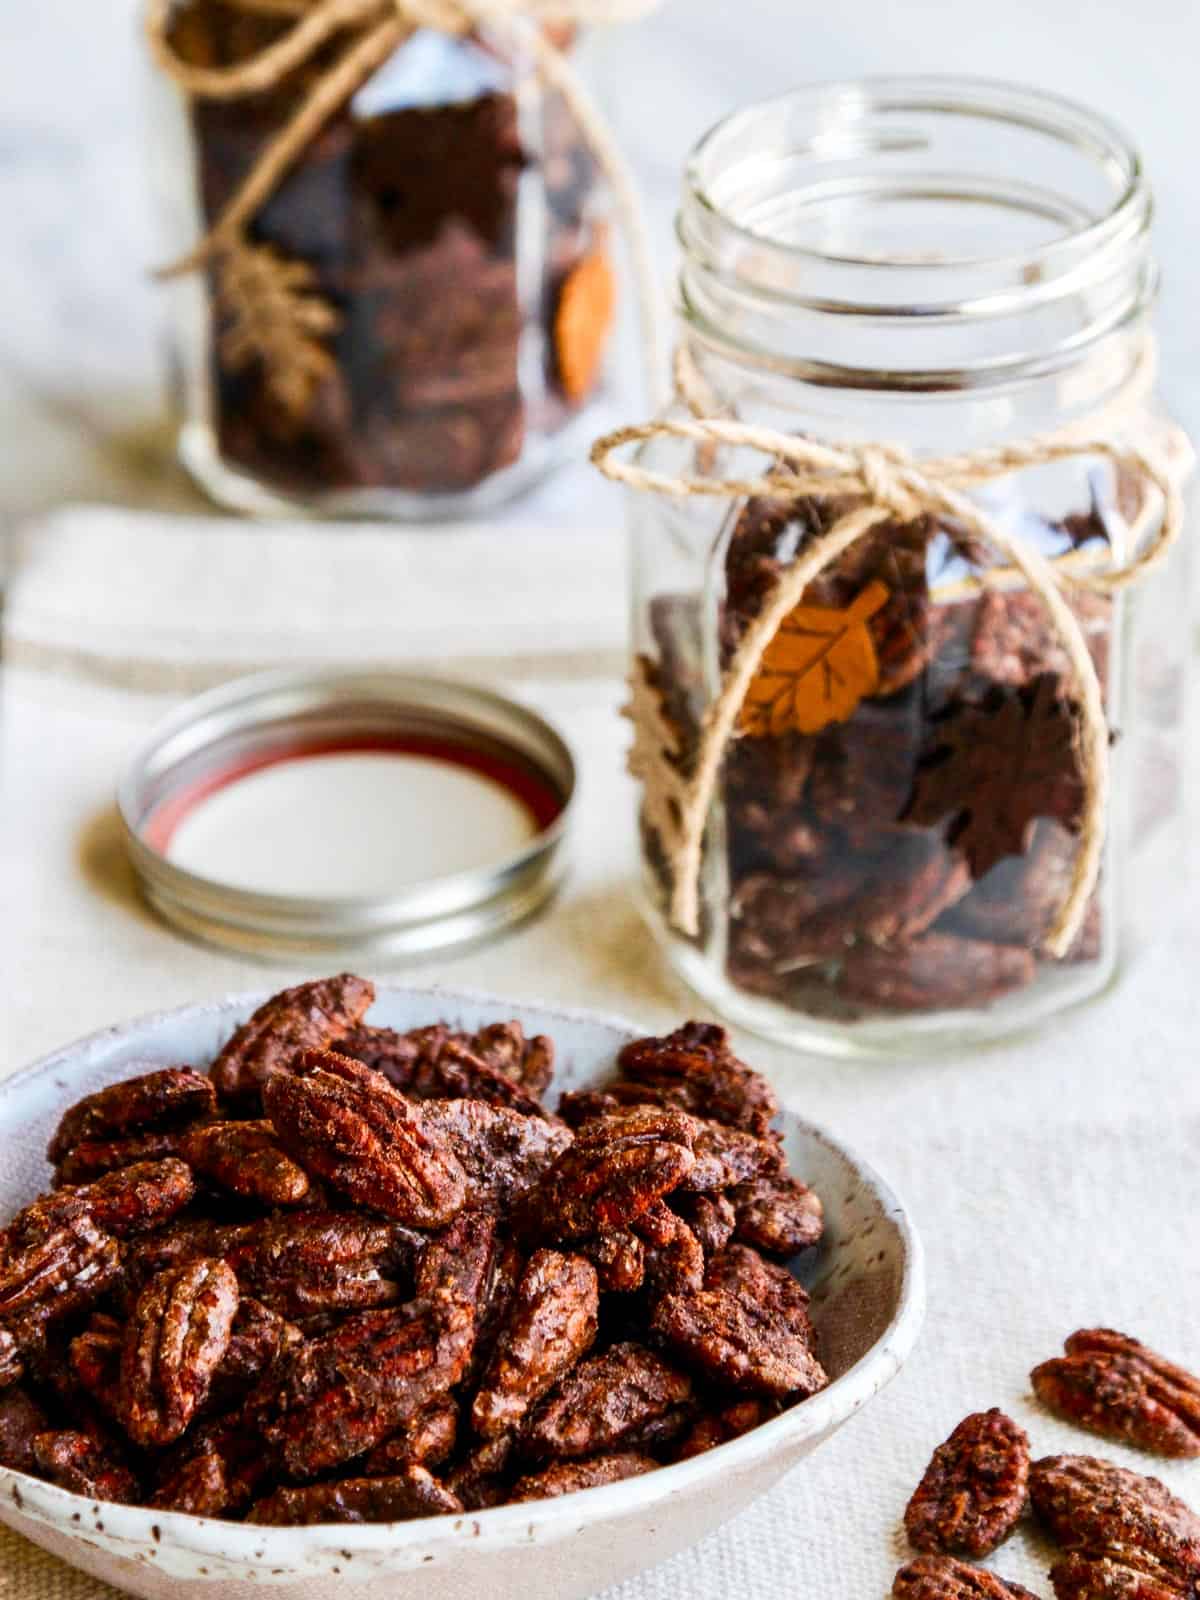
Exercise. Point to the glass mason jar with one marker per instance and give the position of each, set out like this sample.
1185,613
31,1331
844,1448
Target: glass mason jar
947,266
450,225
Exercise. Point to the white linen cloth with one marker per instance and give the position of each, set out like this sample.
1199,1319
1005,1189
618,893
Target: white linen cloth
1053,1178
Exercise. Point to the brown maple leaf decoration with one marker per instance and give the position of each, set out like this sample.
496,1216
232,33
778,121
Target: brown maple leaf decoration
993,770
816,669
272,315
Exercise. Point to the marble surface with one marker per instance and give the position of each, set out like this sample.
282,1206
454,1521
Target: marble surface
81,349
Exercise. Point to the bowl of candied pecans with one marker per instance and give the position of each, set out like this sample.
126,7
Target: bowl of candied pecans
385,1288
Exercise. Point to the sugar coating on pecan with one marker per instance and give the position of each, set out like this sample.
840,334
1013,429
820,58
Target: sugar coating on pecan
695,1069
974,1489
615,1170
626,1398
246,1158
1098,1509
346,1123
309,1017
567,1477
503,1153
780,1215
1078,1577
85,1465
946,1578
1116,1387
167,1098
411,1492
176,1339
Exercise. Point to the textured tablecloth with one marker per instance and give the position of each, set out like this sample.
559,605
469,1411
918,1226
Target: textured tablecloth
1054,1179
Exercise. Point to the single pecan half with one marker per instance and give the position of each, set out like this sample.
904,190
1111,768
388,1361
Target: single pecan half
247,1159
503,1153
411,1492
780,1215
175,1341
309,1017
1107,1578
613,1172
974,1488
627,1398
167,1098
92,1158
307,1263
85,1465
944,1578
1116,1387
727,1156
347,1124
136,1199
1096,1508
345,1392
566,1477
552,1322
695,1069
52,1263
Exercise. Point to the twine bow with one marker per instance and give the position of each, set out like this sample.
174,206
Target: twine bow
374,30
889,484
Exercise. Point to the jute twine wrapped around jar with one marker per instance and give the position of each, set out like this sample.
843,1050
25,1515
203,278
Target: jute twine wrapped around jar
886,484
275,308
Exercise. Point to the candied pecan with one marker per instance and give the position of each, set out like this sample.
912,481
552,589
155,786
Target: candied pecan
628,1398
176,1339
552,1322
719,1427
565,1477
578,1106
483,1478
529,1062
695,1069
167,1098
245,1158
412,1492
780,1215
944,1578
414,1061
21,1421
1099,1509
1112,1578
748,1327
458,1264
92,1158
427,1441
933,971
310,1262
974,1488
346,1392
458,1072
725,1156
12,1367
384,1050
1116,1387
84,1465
711,1217
619,1258
52,1264
346,1123
309,1017
95,1360
137,1198
616,1168
200,1485
674,1257
258,1341
220,1464
502,1152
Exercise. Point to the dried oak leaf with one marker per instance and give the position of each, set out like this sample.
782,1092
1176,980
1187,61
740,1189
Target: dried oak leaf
175,1341
815,671
567,1477
627,1398
271,315
974,1489
944,1578
1115,1386
347,1124
411,1492
309,1017
1098,1509
552,1322
170,1097
992,770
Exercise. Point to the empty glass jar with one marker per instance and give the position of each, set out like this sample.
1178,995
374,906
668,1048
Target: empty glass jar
415,320
947,266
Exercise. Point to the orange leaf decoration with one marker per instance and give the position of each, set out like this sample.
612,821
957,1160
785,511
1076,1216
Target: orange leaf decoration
816,669
582,322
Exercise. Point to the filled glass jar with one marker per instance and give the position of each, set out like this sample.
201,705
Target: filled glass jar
414,321
948,267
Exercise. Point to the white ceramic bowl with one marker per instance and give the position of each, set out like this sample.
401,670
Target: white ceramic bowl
868,1302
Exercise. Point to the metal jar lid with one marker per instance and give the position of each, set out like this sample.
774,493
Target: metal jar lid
247,803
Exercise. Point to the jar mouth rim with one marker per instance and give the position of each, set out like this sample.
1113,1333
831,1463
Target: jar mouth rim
981,98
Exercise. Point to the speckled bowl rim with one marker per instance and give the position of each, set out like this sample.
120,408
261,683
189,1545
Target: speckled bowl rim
260,1546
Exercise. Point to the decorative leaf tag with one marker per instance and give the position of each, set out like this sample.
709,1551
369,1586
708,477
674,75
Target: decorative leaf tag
816,669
